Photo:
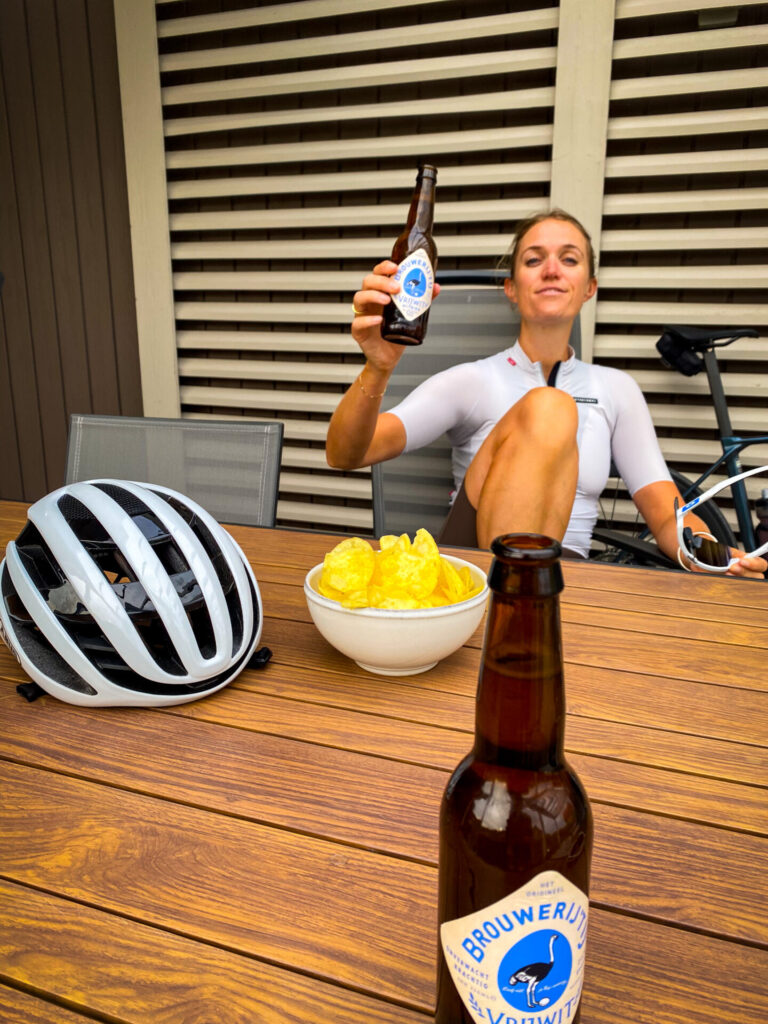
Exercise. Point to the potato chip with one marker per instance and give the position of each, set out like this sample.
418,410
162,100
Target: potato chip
403,568
450,582
389,540
355,599
399,602
330,592
349,566
400,575
424,544
466,577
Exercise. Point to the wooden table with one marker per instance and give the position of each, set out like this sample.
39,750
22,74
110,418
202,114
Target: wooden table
269,854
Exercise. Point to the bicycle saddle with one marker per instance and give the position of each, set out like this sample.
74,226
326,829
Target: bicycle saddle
679,346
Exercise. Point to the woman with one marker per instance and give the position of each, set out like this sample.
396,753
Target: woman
533,428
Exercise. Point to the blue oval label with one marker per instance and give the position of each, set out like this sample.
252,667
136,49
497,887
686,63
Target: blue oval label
416,279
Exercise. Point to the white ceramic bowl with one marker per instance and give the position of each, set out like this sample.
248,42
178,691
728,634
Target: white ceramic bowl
397,643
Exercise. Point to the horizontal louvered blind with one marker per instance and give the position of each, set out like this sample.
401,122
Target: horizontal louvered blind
685,213
292,135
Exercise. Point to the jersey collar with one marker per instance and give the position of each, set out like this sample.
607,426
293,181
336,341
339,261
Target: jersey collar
516,357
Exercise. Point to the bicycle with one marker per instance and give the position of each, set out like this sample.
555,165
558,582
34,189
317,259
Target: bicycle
689,350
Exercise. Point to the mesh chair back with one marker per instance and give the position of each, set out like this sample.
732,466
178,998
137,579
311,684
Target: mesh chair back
231,468
471,319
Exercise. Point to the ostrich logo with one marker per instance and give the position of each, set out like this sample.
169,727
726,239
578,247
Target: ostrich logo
415,283
535,972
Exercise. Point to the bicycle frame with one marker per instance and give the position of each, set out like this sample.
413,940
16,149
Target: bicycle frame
732,445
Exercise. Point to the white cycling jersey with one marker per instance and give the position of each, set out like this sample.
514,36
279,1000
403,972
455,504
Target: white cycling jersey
467,400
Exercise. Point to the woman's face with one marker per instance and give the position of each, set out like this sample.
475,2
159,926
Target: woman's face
551,278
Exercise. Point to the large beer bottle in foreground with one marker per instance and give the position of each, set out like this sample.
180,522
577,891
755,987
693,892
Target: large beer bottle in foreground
405,317
515,822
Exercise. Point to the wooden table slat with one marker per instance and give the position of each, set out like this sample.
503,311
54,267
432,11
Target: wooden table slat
276,895
58,946
345,717
439,696
18,1007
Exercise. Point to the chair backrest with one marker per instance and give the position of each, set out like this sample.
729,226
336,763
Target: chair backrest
471,319
231,468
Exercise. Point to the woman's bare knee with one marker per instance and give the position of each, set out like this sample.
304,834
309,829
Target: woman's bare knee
542,425
546,420
541,408
548,408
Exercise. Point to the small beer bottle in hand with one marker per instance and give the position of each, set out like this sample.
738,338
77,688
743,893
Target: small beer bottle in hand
405,317
515,822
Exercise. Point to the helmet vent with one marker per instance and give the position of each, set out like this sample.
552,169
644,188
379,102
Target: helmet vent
35,645
117,569
74,511
212,549
125,583
125,499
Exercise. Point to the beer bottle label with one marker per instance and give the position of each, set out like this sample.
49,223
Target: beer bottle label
521,960
416,279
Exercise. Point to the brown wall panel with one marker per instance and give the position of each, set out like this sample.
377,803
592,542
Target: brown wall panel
69,333
90,217
58,204
10,463
17,367
31,332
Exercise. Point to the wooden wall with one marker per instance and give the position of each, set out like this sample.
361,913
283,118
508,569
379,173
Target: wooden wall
67,312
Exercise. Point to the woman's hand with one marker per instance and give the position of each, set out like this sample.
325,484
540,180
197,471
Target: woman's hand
369,303
748,566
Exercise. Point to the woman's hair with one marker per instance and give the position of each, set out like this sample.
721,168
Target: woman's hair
524,226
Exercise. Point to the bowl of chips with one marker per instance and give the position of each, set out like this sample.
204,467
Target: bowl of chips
397,610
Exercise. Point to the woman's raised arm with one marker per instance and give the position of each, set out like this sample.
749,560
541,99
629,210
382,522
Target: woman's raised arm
358,434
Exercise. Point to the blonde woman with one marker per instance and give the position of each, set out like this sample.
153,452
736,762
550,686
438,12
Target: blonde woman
533,428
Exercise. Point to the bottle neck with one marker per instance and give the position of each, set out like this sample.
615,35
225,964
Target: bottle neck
422,210
520,714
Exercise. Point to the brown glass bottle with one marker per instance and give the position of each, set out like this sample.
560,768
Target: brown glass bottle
415,252
515,822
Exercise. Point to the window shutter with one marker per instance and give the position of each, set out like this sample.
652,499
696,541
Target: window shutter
291,133
685,214
292,137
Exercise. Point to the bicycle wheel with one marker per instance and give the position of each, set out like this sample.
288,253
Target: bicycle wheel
716,522
620,541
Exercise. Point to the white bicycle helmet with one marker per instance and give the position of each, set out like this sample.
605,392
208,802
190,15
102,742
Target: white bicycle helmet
122,593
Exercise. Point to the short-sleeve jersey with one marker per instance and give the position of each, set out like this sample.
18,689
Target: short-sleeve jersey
467,400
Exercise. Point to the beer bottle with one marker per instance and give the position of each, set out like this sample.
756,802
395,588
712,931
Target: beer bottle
515,822
405,317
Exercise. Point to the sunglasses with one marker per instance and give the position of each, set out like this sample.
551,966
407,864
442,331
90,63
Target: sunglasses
704,551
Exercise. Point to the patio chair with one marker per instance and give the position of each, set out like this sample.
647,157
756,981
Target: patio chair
472,319
231,468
